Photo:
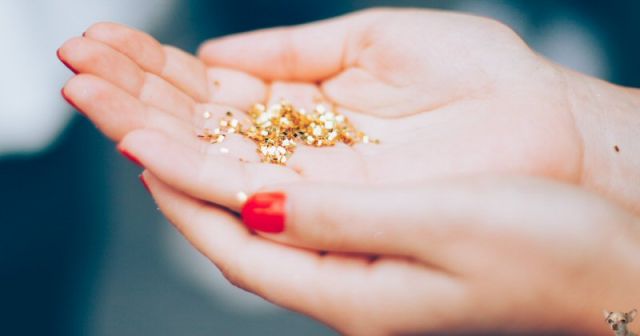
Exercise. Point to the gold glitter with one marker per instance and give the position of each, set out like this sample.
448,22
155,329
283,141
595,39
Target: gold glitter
224,150
206,114
241,197
278,128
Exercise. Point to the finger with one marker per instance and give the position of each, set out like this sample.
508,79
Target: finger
115,112
427,221
440,222
309,52
283,275
85,55
177,67
333,217
328,288
220,179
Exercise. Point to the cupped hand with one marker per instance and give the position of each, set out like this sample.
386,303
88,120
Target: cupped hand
446,94
484,254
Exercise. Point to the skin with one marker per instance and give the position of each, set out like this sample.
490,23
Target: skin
556,253
448,95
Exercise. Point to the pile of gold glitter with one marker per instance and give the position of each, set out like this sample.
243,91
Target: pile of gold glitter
278,129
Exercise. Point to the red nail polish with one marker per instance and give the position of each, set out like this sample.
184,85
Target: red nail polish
65,62
144,183
129,156
265,212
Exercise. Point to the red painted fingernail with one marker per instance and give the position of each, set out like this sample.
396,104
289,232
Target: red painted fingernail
129,156
65,62
265,212
144,183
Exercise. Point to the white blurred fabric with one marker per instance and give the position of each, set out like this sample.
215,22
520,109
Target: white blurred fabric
32,113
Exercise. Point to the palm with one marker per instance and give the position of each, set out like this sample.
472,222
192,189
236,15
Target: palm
474,111
444,107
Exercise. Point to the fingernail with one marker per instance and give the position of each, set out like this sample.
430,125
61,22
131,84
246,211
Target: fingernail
65,62
144,183
129,156
265,212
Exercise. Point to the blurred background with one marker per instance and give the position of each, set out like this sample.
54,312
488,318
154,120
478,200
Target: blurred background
83,250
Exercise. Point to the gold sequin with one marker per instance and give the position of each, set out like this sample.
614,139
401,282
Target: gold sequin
278,128
241,196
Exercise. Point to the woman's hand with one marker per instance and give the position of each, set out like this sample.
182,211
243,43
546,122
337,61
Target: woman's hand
447,94
483,255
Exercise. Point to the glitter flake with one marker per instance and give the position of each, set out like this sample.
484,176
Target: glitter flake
277,129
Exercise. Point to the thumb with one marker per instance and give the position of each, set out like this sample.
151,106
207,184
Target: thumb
309,52
358,219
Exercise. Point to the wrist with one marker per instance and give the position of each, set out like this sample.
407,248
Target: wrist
608,118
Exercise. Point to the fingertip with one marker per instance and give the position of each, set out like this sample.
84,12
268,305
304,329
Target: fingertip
141,47
100,30
204,50
220,46
70,101
65,46
129,148
80,88
265,212
66,52
77,90
156,151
